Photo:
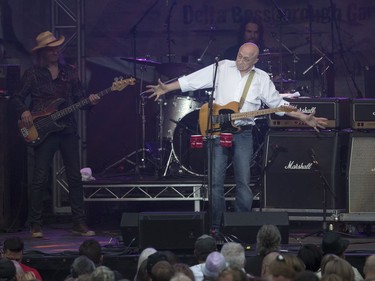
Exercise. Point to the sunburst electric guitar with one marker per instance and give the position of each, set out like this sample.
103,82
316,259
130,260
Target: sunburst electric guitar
224,116
45,122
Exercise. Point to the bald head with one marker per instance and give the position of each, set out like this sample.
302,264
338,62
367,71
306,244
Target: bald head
247,56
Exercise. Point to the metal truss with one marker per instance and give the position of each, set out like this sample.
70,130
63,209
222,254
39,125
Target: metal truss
67,18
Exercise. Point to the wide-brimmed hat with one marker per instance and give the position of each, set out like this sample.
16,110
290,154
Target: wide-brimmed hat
332,243
47,39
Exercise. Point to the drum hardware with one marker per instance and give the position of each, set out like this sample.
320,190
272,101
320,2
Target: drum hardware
140,161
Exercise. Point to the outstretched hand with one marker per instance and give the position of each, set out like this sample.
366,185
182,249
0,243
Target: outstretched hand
316,122
157,90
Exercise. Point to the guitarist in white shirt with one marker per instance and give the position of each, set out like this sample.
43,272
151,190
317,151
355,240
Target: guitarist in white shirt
49,80
231,80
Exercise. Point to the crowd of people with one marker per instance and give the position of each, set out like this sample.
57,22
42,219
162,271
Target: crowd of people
212,262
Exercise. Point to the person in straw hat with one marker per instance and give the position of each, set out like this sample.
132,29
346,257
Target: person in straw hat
48,81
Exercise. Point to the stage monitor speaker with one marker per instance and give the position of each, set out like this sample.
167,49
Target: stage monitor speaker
301,165
129,229
245,225
171,231
361,172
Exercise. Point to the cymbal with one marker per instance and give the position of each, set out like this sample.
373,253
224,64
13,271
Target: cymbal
174,69
143,61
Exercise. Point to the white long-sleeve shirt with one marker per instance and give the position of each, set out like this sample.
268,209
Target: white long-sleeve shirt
230,84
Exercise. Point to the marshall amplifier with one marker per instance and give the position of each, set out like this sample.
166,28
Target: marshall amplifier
362,114
361,172
302,167
336,110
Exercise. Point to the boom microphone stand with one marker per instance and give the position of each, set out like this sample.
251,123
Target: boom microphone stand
210,142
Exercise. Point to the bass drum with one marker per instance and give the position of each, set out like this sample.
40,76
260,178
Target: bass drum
174,109
192,160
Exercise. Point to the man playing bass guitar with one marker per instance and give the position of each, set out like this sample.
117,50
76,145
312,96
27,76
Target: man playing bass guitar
49,80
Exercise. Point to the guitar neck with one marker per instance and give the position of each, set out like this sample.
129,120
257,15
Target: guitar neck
241,115
61,113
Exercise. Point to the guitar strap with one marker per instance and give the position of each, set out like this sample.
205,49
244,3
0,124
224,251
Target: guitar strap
246,89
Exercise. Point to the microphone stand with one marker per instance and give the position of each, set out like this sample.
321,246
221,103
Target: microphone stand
268,163
210,143
141,110
283,18
325,186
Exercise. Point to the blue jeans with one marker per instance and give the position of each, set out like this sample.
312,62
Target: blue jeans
43,155
242,151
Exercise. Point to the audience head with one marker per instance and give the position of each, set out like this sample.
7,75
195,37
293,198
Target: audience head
92,249
234,254
7,270
232,274
185,269
103,273
215,263
179,276
13,248
162,271
142,274
326,259
341,267
285,267
268,239
82,265
204,245
144,256
369,268
332,243
311,255
153,259
270,257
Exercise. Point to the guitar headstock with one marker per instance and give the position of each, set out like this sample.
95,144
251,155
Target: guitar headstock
288,108
120,83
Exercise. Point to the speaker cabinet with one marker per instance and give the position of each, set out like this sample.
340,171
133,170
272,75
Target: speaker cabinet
361,172
303,166
129,229
245,225
163,231
172,231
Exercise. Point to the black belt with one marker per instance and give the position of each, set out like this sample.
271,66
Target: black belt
246,127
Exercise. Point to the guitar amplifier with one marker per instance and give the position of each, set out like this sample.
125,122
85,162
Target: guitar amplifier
336,110
362,114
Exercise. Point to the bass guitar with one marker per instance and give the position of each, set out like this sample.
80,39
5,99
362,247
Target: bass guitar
224,116
45,122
